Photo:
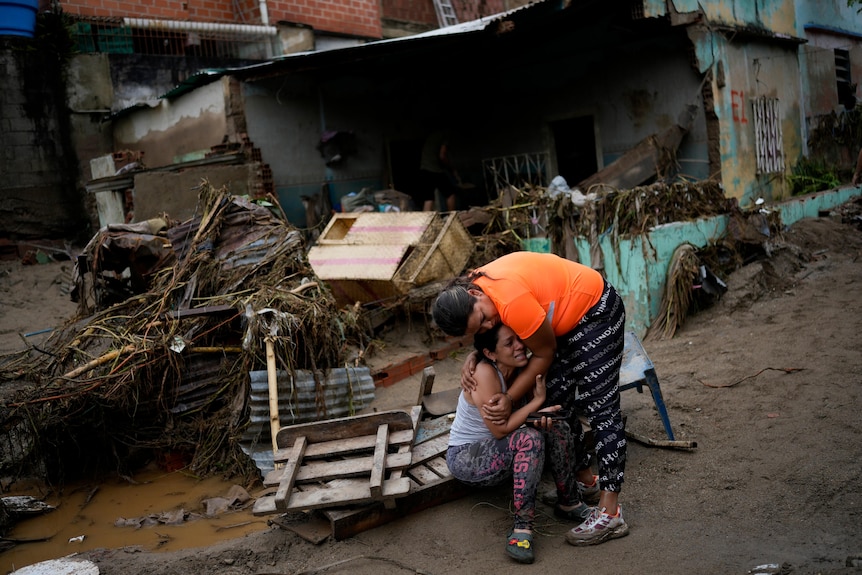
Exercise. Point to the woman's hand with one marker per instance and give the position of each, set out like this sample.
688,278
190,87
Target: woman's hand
497,409
540,392
468,382
546,423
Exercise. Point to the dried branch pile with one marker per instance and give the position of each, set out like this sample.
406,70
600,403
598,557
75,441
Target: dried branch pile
634,211
167,369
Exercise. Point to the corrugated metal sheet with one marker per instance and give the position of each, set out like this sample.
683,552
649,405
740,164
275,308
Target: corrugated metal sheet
202,379
340,393
376,49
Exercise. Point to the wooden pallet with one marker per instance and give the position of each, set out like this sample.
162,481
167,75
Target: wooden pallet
340,462
431,484
346,502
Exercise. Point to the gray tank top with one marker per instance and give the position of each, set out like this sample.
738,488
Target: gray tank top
469,426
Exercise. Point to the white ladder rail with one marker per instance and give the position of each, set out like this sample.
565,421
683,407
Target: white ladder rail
445,13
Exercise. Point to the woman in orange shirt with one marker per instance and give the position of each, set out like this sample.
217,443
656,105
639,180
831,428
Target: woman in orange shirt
573,322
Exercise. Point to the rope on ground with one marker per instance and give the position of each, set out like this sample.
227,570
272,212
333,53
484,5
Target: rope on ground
784,369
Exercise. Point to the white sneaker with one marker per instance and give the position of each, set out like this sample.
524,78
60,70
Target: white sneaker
599,527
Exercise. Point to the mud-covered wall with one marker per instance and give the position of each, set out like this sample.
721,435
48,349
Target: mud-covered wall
176,129
175,193
38,194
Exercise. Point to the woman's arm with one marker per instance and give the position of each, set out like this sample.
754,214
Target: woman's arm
488,384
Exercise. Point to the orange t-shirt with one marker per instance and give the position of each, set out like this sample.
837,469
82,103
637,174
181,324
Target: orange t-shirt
527,286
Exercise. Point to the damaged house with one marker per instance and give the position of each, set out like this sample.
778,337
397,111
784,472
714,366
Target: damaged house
607,95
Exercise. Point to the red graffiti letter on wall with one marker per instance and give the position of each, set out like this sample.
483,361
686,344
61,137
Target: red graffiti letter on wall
737,103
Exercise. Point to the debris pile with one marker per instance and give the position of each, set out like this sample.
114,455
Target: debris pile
158,358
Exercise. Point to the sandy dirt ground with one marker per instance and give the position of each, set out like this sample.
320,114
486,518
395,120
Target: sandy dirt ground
768,382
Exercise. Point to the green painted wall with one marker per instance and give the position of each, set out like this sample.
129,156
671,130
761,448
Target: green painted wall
638,266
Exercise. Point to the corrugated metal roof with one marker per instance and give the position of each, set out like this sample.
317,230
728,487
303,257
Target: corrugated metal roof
341,392
378,48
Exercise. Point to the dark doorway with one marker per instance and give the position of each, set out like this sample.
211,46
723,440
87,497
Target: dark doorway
575,146
404,157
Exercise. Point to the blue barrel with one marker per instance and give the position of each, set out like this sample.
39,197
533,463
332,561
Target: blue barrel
18,17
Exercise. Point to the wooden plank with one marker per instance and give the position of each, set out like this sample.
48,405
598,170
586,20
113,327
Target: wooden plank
431,428
347,446
439,466
322,498
314,529
421,474
426,384
430,449
345,468
378,463
344,427
415,414
349,522
289,474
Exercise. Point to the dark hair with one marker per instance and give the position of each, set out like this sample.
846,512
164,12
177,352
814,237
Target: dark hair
453,307
487,340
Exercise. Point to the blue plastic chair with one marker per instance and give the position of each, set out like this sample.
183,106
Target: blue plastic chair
638,371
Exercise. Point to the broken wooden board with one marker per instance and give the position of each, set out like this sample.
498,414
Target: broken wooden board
344,427
345,493
643,161
340,462
431,484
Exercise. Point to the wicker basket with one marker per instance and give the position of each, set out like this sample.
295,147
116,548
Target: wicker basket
369,256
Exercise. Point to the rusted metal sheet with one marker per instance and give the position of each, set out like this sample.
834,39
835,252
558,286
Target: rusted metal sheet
339,393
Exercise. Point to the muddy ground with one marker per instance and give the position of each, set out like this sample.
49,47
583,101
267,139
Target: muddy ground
768,382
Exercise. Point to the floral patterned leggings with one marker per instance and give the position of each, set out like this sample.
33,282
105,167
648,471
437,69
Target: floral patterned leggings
520,456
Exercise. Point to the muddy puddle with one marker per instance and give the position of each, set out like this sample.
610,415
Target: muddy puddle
156,511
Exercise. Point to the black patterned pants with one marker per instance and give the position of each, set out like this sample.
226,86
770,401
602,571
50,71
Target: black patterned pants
584,378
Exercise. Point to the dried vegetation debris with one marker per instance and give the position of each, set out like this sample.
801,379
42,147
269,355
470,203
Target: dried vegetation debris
166,367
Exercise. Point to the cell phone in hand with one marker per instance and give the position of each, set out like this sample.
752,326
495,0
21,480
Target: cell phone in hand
553,415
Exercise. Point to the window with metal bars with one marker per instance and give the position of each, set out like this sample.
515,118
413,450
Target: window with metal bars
767,132
846,88
113,36
516,170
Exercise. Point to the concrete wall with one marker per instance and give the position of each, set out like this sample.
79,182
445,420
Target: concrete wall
38,197
89,96
778,16
753,70
176,193
830,25
175,129
631,94
638,267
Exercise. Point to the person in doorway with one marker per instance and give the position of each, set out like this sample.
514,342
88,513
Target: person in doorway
573,322
437,173
481,453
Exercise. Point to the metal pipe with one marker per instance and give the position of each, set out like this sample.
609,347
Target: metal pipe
184,26
264,13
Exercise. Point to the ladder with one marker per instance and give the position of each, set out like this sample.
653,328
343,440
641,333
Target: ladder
445,13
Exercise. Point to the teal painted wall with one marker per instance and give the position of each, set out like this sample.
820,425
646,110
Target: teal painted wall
833,14
638,267
775,15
